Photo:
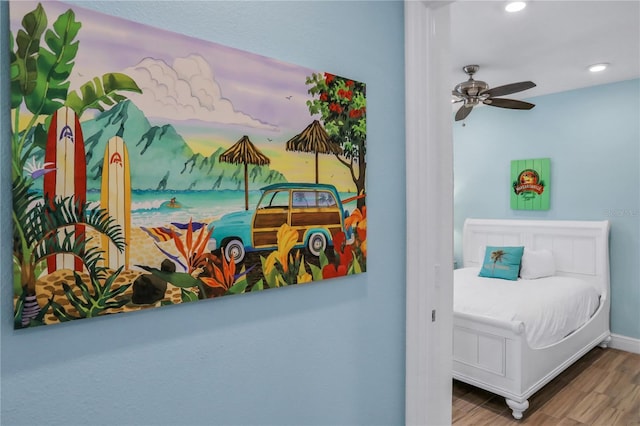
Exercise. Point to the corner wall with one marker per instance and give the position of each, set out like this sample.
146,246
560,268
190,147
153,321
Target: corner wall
324,353
592,136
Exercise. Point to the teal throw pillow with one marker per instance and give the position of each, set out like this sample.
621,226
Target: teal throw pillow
501,262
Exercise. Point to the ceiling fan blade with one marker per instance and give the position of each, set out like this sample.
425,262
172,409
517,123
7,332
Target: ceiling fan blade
463,112
508,103
508,89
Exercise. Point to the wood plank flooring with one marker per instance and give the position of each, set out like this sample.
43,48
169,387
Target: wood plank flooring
600,389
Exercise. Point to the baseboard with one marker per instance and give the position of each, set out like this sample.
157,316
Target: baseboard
625,343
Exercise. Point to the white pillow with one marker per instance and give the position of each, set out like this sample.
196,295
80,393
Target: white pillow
537,264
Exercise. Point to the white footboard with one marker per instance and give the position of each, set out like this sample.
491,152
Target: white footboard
488,354
495,356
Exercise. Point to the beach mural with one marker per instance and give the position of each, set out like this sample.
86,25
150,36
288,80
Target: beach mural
150,168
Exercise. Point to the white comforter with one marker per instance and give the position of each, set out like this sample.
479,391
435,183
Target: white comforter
550,308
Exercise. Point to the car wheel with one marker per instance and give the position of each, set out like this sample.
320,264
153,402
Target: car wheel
234,248
317,243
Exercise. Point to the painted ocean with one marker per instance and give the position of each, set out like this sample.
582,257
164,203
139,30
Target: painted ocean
153,208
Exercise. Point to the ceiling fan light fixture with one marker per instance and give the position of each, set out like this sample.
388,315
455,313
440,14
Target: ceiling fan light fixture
515,6
598,67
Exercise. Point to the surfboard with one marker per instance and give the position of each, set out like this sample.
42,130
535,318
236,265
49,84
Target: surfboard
65,149
115,197
169,205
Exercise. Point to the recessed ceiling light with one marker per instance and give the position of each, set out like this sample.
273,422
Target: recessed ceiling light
598,67
515,6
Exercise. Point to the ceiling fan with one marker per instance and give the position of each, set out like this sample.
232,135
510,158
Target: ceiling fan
472,92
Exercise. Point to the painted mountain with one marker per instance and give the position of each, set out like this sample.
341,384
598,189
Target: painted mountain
160,158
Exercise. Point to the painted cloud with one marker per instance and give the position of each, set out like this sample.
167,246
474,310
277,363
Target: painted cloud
186,89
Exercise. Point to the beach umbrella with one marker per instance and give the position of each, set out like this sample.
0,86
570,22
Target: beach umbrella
246,153
313,139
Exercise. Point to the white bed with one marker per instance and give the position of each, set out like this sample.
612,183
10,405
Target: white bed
496,351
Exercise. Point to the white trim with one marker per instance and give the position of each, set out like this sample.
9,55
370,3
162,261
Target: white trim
429,194
624,343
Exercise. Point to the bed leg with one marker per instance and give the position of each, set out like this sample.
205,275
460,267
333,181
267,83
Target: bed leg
517,408
605,343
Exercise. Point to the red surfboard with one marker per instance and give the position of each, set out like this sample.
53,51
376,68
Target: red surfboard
65,149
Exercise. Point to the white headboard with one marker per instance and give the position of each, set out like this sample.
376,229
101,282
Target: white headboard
580,248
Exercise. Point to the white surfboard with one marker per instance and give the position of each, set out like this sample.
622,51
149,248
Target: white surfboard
115,197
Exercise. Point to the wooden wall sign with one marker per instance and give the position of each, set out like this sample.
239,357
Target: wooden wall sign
530,184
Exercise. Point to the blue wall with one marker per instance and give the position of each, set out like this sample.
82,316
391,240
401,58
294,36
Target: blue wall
323,353
592,136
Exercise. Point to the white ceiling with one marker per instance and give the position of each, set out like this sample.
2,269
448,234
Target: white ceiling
550,43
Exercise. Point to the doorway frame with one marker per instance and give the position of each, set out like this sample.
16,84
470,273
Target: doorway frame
429,195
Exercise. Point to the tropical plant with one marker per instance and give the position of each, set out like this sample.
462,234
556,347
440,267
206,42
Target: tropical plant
225,278
39,73
193,250
92,301
342,105
193,258
201,267
282,267
223,275
357,224
346,259
302,275
44,233
351,253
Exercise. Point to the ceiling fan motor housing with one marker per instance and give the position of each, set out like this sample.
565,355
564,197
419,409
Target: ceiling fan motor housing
471,89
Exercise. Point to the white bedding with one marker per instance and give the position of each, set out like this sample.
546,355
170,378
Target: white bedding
550,308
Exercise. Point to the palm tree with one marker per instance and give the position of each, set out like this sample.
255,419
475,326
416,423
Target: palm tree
314,139
497,256
245,152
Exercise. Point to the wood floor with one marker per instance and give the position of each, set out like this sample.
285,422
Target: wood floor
600,389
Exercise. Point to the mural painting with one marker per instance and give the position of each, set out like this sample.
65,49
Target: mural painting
150,168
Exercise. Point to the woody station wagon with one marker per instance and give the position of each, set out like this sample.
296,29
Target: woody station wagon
314,210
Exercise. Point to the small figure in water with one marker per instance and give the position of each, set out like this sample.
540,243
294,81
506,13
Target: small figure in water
173,203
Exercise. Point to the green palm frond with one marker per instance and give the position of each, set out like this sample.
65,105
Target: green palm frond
96,92
46,218
49,228
67,242
23,197
100,220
